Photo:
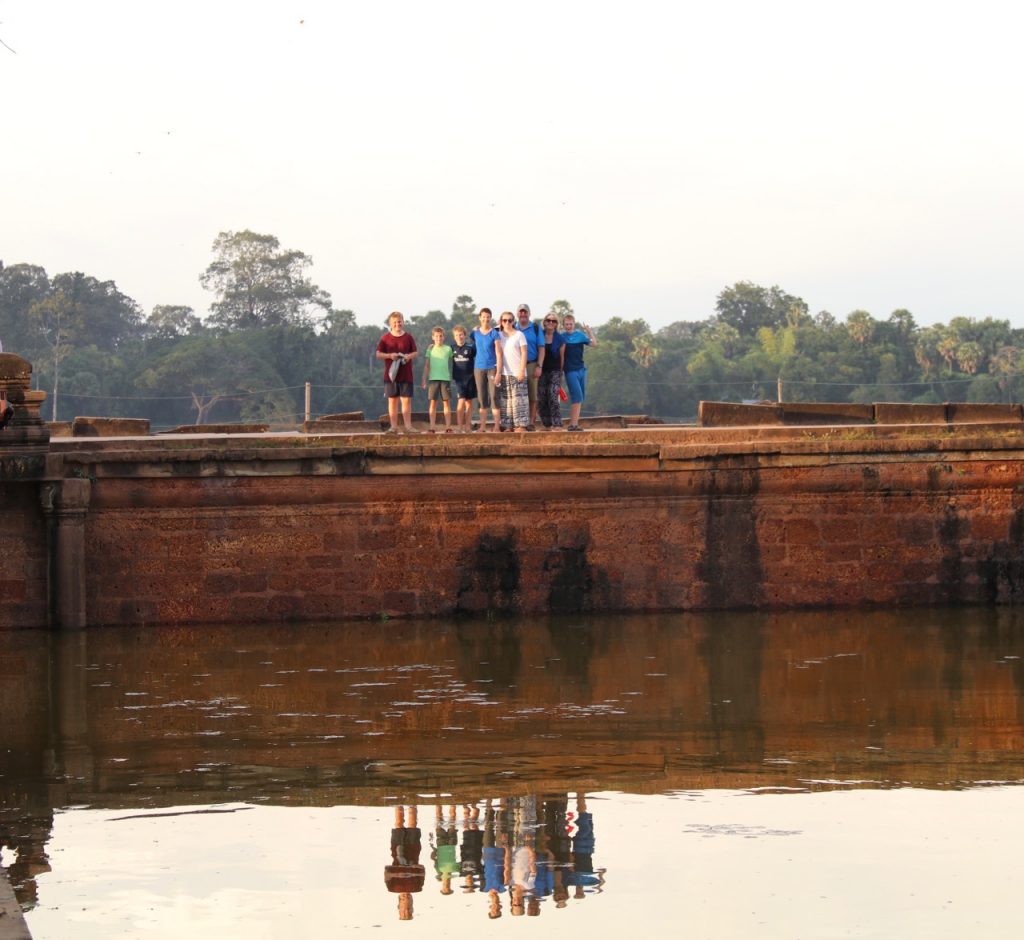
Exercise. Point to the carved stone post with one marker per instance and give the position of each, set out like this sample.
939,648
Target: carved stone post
66,504
27,431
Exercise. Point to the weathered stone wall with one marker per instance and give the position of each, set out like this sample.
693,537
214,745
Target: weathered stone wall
229,530
23,561
310,548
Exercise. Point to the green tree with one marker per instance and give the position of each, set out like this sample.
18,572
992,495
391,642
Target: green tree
55,324
747,308
561,308
220,370
946,347
861,326
464,311
80,311
168,321
257,283
21,286
969,354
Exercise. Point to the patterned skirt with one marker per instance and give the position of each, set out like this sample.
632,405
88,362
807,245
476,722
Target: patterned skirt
549,406
515,402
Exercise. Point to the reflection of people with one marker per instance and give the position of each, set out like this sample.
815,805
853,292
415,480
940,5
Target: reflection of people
496,857
582,874
544,883
472,848
524,856
28,842
446,844
405,875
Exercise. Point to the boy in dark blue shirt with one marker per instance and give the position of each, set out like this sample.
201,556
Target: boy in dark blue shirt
463,359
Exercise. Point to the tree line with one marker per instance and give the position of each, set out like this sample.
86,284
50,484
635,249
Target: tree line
270,329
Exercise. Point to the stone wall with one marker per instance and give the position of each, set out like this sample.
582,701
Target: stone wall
23,558
325,528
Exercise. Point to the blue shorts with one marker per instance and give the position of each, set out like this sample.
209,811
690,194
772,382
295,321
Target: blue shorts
577,385
466,388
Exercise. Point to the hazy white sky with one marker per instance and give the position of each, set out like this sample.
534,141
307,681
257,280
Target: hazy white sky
634,157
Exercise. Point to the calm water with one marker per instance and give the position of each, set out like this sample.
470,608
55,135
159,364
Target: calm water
799,775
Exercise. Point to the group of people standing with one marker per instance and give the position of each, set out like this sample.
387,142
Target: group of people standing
514,371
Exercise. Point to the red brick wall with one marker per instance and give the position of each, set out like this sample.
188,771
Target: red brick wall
330,547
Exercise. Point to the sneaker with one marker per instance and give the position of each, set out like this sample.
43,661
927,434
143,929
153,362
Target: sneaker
574,427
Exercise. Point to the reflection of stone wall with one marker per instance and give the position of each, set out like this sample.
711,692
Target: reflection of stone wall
672,702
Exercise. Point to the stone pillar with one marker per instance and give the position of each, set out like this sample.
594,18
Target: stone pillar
27,431
65,505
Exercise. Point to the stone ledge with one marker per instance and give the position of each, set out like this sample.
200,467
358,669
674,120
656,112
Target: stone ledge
110,427
343,416
218,429
12,921
346,426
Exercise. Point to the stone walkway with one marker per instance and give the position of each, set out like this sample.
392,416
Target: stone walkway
12,923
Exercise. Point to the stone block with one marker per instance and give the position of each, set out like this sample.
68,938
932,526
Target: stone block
601,422
110,427
827,413
344,416
968,413
802,532
724,414
632,420
903,413
59,428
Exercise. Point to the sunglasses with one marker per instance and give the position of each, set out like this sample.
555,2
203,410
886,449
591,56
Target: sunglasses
552,321
507,320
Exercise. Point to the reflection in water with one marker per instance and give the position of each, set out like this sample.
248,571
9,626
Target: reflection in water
520,851
433,718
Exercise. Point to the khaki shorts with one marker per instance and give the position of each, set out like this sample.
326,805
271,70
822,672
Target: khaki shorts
532,380
438,388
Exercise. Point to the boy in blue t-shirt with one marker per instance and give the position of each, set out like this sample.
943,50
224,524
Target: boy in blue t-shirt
463,360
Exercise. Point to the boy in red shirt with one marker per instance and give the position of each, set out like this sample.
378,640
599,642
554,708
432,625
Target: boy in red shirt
398,349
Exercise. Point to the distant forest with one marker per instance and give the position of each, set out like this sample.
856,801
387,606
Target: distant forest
270,330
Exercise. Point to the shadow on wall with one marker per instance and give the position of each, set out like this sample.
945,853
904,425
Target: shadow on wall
492,577
731,566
